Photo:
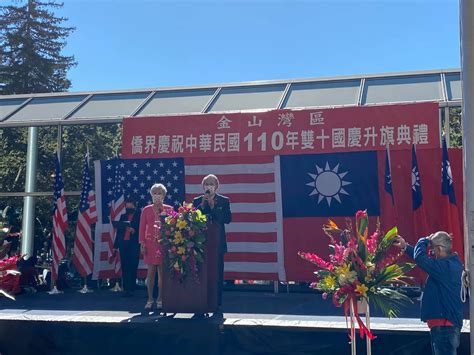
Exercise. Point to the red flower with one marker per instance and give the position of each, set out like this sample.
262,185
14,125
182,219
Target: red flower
313,258
361,214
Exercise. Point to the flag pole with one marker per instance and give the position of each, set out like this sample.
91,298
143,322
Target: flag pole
59,222
54,289
85,289
117,287
391,181
466,11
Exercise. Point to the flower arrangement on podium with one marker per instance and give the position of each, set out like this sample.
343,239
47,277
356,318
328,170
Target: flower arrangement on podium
183,235
360,267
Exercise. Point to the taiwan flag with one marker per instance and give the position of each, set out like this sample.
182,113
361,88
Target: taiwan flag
317,186
388,208
453,222
419,213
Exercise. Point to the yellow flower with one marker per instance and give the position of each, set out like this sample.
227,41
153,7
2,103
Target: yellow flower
181,250
362,289
181,224
329,282
344,275
178,237
343,269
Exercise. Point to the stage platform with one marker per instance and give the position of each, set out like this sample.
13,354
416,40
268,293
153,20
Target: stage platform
252,323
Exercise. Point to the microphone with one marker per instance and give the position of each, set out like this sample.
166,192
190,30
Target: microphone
207,193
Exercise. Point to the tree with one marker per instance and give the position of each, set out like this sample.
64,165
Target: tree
455,127
31,41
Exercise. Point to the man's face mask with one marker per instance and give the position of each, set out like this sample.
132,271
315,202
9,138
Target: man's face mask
210,188
129,210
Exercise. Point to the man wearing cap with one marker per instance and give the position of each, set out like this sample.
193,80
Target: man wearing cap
441,305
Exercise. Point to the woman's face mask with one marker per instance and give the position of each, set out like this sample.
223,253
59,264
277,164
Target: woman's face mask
157,197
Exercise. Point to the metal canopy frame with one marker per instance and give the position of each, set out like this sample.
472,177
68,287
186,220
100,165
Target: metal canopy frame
109,107
76,108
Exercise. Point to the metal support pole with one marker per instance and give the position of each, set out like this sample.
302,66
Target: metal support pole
28,238
447,120
466,13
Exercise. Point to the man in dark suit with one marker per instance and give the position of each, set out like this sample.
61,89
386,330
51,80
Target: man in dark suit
126,241
217,208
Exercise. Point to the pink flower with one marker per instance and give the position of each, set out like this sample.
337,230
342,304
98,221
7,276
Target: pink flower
324,296
319,262
361,214
340,253
372,242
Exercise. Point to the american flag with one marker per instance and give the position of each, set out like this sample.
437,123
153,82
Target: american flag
255,248
82,254
117,209
60,223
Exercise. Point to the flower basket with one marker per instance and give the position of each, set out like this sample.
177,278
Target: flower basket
359,268
183,237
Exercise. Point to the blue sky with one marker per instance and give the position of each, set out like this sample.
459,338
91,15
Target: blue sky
123,44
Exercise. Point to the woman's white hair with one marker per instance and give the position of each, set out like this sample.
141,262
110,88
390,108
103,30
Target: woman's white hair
210,177
158,187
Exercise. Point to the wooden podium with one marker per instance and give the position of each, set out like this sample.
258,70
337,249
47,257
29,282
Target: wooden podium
191,295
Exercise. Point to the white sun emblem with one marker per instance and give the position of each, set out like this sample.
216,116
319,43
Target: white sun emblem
328,184
415,178
449,173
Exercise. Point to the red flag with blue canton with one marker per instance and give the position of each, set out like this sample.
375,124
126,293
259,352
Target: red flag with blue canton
387,205
419,212
388,177
316,187
453,223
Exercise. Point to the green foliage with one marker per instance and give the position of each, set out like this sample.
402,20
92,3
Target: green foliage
389,301
103,141
455,127
12,159
31,41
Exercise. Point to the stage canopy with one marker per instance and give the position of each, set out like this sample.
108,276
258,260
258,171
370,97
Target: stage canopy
443,86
